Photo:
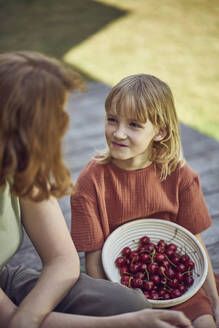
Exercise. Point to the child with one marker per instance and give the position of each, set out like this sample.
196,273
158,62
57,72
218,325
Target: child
141,174
33,91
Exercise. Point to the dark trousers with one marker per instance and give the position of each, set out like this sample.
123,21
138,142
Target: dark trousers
95,297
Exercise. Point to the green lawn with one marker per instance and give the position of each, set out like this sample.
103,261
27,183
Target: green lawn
176,40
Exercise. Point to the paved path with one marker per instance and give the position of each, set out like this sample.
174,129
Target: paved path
86,134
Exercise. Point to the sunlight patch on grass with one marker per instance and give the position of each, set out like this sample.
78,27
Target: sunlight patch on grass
177,41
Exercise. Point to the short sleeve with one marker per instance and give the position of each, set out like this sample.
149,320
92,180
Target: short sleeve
86,228
193,212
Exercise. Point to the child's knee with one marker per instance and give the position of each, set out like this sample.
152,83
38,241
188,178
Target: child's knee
204,321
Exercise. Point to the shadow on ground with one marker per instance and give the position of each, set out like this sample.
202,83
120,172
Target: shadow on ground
52,26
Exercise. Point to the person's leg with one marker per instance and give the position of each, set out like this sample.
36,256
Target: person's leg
99,297
18,281
204,321
95,297
195,307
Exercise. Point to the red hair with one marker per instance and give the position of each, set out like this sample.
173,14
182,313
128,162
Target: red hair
33,89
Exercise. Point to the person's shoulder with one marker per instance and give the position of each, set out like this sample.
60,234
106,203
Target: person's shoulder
93,170
187,175
186,171
93,167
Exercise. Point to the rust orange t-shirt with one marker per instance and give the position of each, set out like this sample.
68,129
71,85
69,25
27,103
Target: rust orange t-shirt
107,196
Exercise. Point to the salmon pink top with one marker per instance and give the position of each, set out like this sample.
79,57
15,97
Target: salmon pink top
107,196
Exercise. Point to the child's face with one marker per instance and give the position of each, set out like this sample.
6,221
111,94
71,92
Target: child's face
129,140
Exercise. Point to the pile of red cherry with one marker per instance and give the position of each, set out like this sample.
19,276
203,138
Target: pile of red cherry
159,270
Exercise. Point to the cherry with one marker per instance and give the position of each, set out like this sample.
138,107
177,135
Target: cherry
169,253
162,243
179,276
133,256
152,267
166,296
189,264
159,257
184,258
161,293
138,283
188,280
175,293
124,270
181,267
172,246
120,261
175,258
144,240
150,247
161,270
155,278
145,258
134,267
154,295
140,275
160,249
148,284
141,249
166,263
147,294
173,283
170,273
125,280
126,251
143,267
182,288
163,280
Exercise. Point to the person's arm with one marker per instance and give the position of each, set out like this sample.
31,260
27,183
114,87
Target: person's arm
7,309
93,263
47,229
140,319
210,285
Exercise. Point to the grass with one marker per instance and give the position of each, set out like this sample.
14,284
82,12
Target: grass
176,40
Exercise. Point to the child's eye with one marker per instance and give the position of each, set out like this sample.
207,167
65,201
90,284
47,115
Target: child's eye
135,125
111,119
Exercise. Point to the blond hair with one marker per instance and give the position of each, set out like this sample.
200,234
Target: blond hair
149,98
33,90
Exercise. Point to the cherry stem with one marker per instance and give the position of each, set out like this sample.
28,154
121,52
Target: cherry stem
166,276
174,236
152,255
170,261
147,273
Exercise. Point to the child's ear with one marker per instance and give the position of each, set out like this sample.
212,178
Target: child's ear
160,135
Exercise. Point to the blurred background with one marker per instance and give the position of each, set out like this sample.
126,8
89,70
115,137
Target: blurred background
106,40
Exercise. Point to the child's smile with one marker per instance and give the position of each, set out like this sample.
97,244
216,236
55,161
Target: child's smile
128,140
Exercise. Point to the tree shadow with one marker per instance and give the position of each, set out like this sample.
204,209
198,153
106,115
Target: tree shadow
52,26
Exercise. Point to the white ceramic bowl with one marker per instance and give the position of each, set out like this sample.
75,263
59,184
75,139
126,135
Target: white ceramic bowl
130,233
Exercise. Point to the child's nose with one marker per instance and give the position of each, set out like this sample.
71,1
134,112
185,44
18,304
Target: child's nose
120,132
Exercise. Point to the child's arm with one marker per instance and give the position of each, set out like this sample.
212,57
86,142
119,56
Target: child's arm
94,266
210,285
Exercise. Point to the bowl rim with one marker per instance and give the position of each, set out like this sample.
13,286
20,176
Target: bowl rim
156,303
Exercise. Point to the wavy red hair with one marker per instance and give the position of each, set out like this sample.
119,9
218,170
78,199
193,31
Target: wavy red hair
33,89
